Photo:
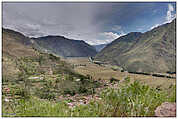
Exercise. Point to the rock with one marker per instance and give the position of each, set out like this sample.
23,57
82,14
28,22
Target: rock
166,109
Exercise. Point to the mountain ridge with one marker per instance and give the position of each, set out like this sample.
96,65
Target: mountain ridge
152,51
64,47
55,44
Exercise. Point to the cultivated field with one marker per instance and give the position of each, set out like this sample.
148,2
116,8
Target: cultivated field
105,72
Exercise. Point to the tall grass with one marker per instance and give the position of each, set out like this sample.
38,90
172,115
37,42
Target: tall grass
128,100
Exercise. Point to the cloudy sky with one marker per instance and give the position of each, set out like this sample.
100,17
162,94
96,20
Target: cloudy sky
95,23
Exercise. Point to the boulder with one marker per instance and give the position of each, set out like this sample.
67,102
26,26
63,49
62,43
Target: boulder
166,109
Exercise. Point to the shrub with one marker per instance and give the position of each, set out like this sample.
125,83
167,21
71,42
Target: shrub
45,93
69,91
24,93
127,79
82,89
132,100
38,108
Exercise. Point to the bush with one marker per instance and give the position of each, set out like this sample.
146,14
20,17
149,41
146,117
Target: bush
69,91
23,93
132,100
128,100
82,89
127,79
38,108
45,93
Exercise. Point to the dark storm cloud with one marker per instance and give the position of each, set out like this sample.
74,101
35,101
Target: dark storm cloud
93,22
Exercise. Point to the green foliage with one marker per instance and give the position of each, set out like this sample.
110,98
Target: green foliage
23,93
172,94
26,66
128,100
38,108
133,100
127,79
46,92
73,87
69,85
69,91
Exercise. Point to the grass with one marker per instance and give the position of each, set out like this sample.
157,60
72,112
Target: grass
36,107
129,100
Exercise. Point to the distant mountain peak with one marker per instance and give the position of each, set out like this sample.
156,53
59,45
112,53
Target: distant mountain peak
65,47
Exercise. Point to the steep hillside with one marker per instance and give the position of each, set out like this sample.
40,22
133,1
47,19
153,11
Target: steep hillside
28,73
99,47
18,53
64,47
152,51
16,44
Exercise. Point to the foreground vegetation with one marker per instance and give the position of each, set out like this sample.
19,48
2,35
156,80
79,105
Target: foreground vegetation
129,99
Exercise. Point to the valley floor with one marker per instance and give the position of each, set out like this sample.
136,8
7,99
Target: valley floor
106,72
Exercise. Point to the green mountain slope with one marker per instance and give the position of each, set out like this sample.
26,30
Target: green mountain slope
152,51
18,52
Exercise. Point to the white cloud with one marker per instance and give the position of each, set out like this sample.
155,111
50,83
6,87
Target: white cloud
170,15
